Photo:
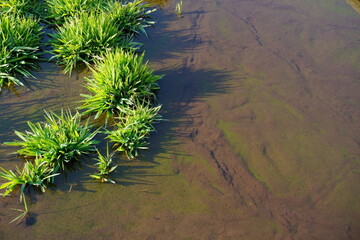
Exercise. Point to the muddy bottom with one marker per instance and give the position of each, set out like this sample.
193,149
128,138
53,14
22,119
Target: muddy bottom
261,140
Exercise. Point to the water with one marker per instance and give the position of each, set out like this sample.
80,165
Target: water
262,138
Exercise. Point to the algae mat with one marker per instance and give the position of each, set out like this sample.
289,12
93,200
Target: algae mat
262,138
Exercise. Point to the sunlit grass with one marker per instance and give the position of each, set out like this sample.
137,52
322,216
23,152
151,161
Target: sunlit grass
84,38
179,9
104,166
60,139
131,17
37,173
59,10
120,80
19,45
21,7
133,130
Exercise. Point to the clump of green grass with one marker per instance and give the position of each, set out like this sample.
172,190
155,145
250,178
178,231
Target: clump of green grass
82,39
61,139
131,17
179,9
59,10
20,7
104,165
133,129
19,45
120,80
36,174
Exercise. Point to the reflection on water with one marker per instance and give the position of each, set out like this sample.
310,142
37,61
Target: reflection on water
261,139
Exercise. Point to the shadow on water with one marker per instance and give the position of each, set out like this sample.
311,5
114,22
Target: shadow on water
181,86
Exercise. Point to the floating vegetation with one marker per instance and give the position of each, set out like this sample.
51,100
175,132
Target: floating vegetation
19,45
120,80
104,165
59,140
134,129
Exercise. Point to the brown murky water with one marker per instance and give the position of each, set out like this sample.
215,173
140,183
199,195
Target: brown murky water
262,142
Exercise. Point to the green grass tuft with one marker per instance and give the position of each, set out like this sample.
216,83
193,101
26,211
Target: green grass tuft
37,174
19,45
84,38
133,129
132,17
60,10
104,165
120,80
59,140
21,7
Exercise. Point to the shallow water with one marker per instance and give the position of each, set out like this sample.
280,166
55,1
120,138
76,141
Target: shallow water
262,138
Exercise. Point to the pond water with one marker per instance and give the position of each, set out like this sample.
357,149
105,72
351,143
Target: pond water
262,138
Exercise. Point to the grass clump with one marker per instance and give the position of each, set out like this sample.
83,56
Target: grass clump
21,7
59,10
134,129
179,9
84,38
104,165
132,17
59,140
36,173
19,45
120,80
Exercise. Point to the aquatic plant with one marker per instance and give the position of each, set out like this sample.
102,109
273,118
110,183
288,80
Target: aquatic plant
104,165
143,115
34,174
19,45
83,38
179,9
131,17
59,140
59,10
37,173
20,7
133,129
120,80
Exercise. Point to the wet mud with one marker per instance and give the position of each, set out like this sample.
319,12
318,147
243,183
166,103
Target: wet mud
261,139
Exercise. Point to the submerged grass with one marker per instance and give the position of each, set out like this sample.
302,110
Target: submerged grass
59,140
134,129
19,45
120,81
84,38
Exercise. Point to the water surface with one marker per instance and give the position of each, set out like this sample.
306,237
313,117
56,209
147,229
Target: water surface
262,138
